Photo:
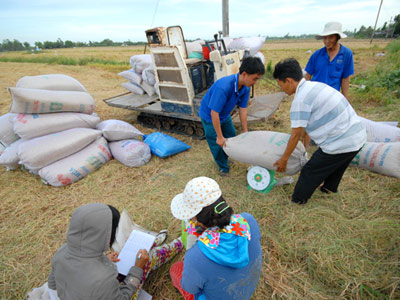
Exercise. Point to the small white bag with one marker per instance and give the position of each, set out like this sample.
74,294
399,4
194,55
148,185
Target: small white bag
132,76
132,87
117,130
131,153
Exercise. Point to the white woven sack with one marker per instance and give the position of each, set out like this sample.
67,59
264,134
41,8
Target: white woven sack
227,41
149,89
29,126
76,166
140,62
254,44
130,86
43,293
55,82
195,46
382,158
264,148
260,56
149,76
390,123
9,157
7,133
132,76
34,101
41,151
379,132
117,130
131,153
2,148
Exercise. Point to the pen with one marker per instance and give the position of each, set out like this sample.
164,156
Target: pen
140,255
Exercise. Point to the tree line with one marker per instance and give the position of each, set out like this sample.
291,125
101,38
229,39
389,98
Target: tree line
391,29
15,45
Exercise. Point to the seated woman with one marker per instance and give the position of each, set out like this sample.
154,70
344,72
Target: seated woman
226,260
80,270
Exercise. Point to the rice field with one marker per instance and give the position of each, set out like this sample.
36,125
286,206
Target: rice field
343,246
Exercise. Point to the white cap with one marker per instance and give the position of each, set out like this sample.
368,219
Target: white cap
199,193
331,28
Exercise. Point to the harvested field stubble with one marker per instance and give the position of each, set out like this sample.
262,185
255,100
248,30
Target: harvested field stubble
343,246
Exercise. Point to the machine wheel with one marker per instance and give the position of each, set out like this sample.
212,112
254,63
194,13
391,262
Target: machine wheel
166,125
189,130
200,132
157,124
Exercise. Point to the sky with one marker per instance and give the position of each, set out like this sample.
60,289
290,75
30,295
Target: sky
123,20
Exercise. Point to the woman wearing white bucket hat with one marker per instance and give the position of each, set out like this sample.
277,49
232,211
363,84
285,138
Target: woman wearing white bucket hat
226,260
333,64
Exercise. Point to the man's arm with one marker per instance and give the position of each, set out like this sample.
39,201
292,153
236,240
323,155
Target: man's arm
307,76
295,136
217,127
243,118
345,86
306,139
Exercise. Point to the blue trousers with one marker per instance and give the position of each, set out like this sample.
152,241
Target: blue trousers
228,130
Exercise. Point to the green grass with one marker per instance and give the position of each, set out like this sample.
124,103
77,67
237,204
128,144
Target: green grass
62,60
381,85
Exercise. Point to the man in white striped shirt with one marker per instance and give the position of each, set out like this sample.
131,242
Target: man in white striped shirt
323,114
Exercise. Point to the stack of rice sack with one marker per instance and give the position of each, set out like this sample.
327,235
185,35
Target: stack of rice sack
123,145
253,44
141,77
264,148
52,117
381,153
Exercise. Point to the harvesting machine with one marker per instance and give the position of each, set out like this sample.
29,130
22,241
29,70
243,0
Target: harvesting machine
182,82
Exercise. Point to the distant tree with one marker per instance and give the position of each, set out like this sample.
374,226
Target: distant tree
107,42
80,44
69,44
39,45
397,25
26,45
59,43
128,43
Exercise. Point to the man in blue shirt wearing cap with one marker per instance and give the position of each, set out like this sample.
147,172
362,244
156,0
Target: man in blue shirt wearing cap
218,103
333,64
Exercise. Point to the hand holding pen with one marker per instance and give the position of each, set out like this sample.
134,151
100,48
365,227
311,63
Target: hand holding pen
142,258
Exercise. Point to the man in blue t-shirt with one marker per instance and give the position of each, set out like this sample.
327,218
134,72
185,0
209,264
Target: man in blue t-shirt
333,64
218,103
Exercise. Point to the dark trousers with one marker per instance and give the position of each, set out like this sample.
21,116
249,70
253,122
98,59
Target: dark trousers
321,168
228,130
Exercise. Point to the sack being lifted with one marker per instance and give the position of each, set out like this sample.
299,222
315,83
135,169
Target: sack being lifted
264,148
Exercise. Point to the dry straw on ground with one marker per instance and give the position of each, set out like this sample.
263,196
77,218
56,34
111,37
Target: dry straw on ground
327,249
